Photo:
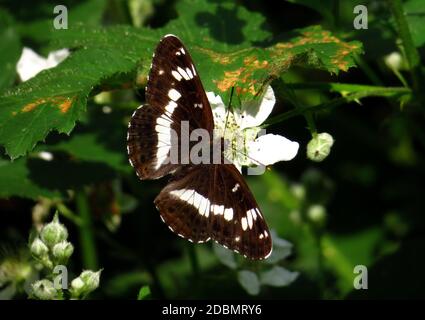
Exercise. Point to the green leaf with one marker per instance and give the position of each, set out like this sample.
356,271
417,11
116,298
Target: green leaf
273,193
144,293
278,277
16,180
222,26
41,30
57,98
10,48
343,252
249,281
415,16
36,176
92,148
225,256
281,249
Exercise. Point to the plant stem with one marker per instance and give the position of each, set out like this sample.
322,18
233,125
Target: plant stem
193,260
412,54
87,242
288,92
67,213
343,87
376,92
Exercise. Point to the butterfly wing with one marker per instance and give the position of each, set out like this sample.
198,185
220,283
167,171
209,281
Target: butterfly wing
204,202
174,93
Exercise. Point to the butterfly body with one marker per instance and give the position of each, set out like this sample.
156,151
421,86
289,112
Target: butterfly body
203,200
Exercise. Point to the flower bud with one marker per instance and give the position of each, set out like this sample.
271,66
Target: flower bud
319,147
38,248
63,250
317,213
298,190
394,60
91,279
85,283
44,290
53,232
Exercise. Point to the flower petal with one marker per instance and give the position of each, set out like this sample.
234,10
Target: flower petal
254,113
30,63
271,148
56,57
217,107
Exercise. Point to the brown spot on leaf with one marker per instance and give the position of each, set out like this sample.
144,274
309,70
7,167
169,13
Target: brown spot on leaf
230,79
63,103
222,58
243,75
31,106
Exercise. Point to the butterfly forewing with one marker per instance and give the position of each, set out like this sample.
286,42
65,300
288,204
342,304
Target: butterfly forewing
173,75
174,93
213,201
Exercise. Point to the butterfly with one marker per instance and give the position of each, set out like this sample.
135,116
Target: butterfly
201,201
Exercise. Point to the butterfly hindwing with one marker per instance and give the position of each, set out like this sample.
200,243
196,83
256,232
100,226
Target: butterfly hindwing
146,148
214,201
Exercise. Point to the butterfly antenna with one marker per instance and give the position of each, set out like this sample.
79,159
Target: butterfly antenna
228,111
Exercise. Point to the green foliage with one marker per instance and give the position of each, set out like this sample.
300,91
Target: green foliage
415,13
57,98
144,293
10,46
16,181
269,274
63,145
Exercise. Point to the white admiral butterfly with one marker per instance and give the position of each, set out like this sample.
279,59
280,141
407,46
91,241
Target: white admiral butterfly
201,201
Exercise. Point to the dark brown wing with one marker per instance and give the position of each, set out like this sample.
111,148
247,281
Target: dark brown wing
204,202
174,93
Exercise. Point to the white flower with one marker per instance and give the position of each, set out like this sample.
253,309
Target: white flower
241,126
30,63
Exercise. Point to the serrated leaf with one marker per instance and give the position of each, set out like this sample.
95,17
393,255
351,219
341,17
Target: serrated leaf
249,281
220,26
57,98
278,277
